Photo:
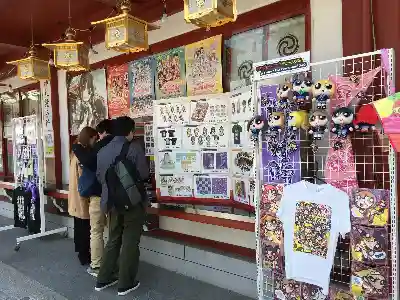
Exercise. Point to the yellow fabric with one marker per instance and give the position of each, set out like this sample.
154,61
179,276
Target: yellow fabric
77,206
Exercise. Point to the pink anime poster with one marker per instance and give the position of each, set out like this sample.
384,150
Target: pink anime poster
118,91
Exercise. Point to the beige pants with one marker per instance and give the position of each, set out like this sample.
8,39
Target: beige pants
97,225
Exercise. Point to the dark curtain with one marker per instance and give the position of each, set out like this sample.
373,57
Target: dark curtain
369,25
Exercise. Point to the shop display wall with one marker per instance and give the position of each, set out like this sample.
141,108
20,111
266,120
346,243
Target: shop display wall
363,165
203,154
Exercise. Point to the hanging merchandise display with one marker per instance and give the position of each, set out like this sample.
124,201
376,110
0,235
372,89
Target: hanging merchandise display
202,150
170,74
141,86
118,91
204,66
325,182
26,195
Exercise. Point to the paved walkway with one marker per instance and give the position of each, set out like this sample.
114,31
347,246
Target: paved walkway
47,269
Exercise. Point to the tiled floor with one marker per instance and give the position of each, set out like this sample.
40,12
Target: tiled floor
48,269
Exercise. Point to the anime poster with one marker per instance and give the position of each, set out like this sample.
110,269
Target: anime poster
118,91
141,85
87,99
204,67
170,74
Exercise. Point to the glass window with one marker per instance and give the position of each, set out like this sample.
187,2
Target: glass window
268,42
30,102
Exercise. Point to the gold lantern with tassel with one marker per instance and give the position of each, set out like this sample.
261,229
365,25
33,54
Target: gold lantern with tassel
31,67
70,55
210,13
126,33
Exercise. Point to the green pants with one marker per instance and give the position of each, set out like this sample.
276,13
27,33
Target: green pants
123,245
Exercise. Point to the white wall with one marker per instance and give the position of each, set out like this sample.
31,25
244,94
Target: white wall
326,33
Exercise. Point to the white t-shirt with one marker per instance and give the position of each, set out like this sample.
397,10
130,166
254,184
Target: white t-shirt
312,216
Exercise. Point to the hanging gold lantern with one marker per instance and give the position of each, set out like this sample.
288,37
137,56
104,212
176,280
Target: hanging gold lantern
126,33
210,13
31,67
70,55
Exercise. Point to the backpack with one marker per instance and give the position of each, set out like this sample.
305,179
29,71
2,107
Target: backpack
86,182
125,187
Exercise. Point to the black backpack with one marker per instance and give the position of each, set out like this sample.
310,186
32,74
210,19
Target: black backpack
125,187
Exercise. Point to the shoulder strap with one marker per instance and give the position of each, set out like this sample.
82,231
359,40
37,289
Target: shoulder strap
124,151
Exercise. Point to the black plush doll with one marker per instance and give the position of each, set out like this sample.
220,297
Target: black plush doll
318,124
302,89
342,120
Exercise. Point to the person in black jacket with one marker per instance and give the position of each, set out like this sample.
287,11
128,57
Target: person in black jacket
87,157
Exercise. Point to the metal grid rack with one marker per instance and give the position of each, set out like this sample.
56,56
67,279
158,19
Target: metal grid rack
375,163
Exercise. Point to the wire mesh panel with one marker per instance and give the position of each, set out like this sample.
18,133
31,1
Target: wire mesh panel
365,160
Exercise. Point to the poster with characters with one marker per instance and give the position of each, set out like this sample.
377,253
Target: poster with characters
118,91
208,136
286,289
148,139
312,228
204,66
170,113
212,186
369,207
370,282
87,99
241,105
272,256
169,137
271,196
271,230
210,109
179,161
241,190
141,87
214,162
176,186
170,74
369,245
242,162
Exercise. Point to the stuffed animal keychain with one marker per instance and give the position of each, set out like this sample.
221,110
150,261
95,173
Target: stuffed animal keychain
323,91
302,89
318,126
366,119
284,94
297,120
343,119
276,122
255,126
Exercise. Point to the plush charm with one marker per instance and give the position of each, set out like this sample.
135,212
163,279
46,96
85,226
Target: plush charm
276,122
302,89
318,124
298,119
342,119
255,126
323,91
284,94
366,118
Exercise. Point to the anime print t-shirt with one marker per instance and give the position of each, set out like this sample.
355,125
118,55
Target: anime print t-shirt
313,216
236,130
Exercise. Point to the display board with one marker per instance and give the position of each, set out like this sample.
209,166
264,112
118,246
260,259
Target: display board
349,232
203,155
